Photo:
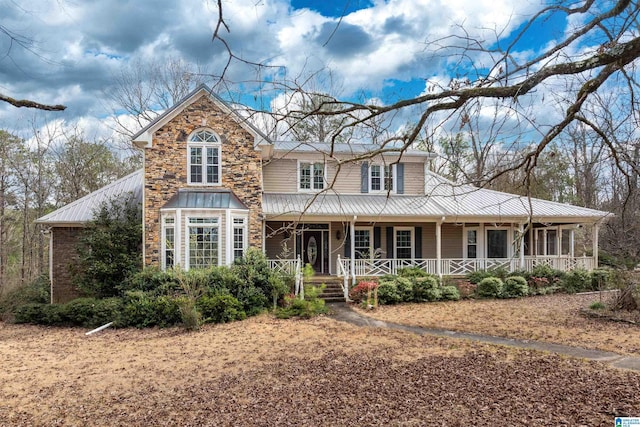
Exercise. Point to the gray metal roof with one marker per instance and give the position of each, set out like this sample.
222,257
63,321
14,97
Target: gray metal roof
370,205
353,149
82,210
204,199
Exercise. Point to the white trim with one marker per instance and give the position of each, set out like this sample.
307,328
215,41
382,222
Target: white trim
245,233
311,180
412,240
218,217
163,239
479,241
509,230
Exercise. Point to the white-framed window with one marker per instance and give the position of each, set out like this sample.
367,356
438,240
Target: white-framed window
363,242
403,243
168,242
203,247
239,233
203,158
311,176
554,241
497,240
472,243
381,177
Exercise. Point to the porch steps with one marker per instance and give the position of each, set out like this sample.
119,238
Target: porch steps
333,287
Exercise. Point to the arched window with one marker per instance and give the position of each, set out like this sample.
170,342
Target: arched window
203,156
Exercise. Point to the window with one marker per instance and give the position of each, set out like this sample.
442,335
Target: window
381,177
204,158
472,243
552,242
362,243
239,233
203,242
404,243
311,176
497,243
566,241
169,243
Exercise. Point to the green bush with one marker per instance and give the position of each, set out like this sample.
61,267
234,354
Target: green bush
576,281
600,279
597,305
412,272
542,270
388,293
141,311
450,293
154,280
490,287
220,308
311,306
37,314
515,286
253,300
426,289
476,277
37,291
405,289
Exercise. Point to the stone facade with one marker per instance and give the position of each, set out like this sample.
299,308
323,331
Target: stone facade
165,168
65,258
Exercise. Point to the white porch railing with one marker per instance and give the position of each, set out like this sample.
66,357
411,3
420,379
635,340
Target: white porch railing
292,267
457,267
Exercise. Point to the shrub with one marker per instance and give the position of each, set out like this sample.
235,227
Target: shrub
543,270
140,310
37,313
576,281
220,308
37,292
110,248
465,288
597,305
450,293
85,312
600,279
476,277
515,286
152,279
426,289
311,306
490,287
412,272
360,292
252,299
405,289
388,293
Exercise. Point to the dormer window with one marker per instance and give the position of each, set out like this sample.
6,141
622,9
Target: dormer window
203,148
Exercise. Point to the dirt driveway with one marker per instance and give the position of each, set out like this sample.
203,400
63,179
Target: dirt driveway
315,372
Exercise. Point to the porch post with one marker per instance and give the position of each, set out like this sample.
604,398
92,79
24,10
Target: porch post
572,239
596,229
352,232
522,237
439,247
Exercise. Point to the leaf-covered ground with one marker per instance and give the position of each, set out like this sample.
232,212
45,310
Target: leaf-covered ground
552,318
315,372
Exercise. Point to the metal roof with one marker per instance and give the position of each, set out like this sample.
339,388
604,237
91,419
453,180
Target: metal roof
354,149
204,199
82,210
370,205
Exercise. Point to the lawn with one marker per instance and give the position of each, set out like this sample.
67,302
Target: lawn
314,372
552,318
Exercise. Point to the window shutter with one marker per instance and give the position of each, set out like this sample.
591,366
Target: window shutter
347,242
400,178
376,238
389,242
364,178
417,233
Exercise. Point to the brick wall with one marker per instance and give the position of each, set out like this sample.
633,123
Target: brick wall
65,257
166,168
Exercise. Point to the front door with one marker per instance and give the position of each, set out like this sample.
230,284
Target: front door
312,252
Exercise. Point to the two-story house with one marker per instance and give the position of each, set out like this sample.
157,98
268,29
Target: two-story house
213,185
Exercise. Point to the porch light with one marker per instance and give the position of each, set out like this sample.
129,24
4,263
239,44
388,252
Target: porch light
338,234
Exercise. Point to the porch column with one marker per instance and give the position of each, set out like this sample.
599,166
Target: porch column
596,229
352,232
439,247
522,237
572,239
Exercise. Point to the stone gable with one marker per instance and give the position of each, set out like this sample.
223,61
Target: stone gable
165,168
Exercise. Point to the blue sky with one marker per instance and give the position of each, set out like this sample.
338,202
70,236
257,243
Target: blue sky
371,49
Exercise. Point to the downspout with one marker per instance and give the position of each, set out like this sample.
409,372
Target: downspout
522,237
596,229
50,233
